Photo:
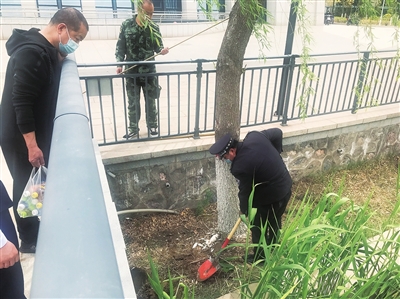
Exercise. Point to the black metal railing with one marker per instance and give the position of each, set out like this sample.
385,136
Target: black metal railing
186,104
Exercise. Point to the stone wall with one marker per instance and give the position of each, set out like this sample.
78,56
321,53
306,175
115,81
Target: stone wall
166,183
340,149
187,179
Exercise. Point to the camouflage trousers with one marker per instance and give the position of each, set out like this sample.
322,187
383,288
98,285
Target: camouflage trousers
151,90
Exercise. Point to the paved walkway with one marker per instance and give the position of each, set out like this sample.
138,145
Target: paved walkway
326,39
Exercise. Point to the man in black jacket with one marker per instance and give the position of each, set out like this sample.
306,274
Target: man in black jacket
257,162
29,101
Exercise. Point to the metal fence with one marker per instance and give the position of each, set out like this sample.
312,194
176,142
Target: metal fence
271,91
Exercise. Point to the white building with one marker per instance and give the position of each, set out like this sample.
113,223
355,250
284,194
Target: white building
106,16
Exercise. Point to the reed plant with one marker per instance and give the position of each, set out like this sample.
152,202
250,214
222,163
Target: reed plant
176,289
324,252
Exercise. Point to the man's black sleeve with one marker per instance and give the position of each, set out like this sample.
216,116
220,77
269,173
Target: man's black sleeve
31,74
275,135
245,187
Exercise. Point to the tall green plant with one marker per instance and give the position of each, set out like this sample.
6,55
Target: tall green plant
158,286
324,253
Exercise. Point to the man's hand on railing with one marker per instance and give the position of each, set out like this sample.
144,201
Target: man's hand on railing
119,69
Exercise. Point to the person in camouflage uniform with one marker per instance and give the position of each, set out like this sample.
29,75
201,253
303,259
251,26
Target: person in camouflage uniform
138,40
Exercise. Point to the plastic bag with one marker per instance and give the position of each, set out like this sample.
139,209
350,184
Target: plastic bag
31,201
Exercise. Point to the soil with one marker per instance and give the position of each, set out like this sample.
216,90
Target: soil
178,242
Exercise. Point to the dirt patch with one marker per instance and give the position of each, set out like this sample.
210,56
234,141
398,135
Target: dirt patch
177,243
170,239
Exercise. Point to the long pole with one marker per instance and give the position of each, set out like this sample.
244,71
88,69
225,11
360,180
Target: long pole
190,37
288,51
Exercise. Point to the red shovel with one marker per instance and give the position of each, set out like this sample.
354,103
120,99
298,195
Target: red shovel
210,266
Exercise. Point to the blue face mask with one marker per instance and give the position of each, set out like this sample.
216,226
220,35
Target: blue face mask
69,47
229,162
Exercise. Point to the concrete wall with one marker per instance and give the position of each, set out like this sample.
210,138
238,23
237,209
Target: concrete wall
108,29
280,11
182,173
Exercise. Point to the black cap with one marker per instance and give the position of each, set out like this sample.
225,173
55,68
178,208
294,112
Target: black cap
222,146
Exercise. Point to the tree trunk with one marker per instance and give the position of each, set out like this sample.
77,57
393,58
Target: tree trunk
227,100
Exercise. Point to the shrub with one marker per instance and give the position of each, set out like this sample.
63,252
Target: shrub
340,20
386,17
369,22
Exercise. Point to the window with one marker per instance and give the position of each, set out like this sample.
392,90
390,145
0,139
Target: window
58,4
167,10
52,5
172,6
10,8
114,4
113,8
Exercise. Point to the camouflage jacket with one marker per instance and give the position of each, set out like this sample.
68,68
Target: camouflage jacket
136,43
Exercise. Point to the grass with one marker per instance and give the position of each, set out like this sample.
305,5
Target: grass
372,181
384,22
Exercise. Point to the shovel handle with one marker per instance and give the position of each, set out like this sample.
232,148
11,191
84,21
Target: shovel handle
231,233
